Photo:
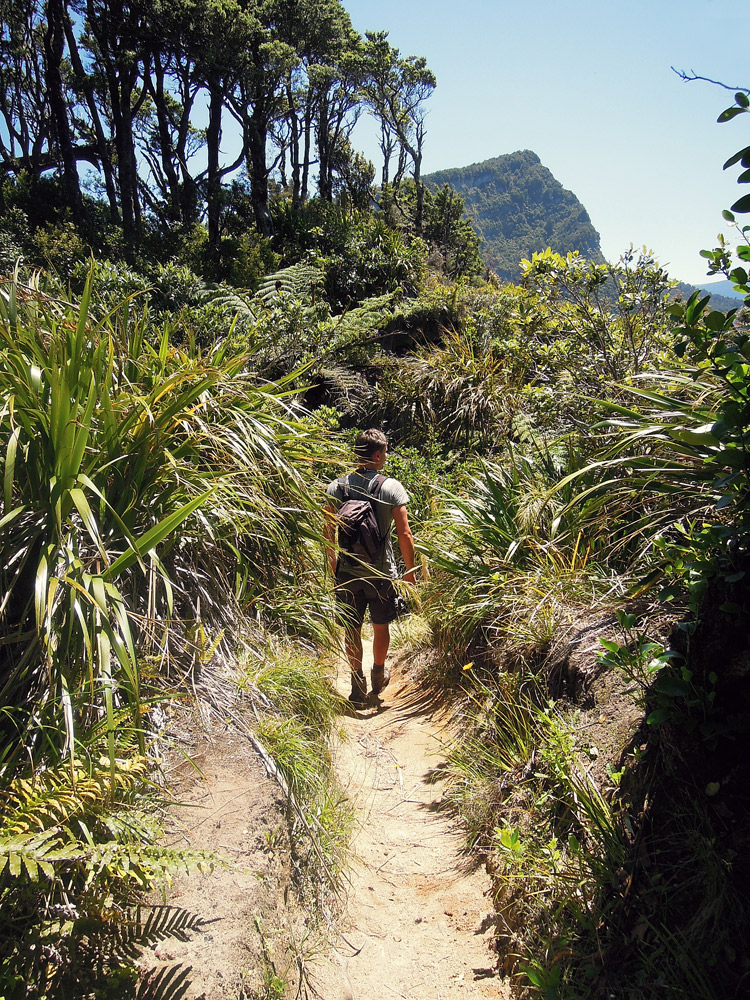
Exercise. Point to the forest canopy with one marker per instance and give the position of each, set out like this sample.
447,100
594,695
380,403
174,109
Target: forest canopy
139,99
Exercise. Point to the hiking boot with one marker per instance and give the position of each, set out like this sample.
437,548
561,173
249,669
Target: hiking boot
380,677
359,689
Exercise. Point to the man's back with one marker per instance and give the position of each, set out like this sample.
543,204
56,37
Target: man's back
392,494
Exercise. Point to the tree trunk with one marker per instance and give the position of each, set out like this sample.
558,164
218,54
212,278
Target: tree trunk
86,84
156,87
213,140
306,158
122,117
256,135
294,146
188,187
325,186
419,213
54,44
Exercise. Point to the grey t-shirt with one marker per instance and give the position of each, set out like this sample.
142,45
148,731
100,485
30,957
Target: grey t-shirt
392,494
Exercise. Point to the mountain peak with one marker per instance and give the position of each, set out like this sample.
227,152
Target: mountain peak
518,207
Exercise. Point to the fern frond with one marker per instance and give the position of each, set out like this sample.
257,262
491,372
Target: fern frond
349,390
54,798
223,297
369,317
298,280
142,865
522,428
35,855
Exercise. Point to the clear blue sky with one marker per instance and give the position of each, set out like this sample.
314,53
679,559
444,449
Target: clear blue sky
588,87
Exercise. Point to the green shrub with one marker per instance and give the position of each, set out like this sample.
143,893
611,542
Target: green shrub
78,847
16,244
61,248
110,441
374,260
316,229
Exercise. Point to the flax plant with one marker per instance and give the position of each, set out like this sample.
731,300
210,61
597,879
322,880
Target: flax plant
149,497
658,465
144,489
508,551
461,391
672,465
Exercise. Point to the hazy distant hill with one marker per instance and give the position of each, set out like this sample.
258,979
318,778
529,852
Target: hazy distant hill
517,207
723,296
721,287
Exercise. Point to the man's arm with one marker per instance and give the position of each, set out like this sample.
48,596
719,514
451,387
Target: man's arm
329,534
405,542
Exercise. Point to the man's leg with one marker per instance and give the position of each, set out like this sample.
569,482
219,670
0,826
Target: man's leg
381,640
353,647
382,611
352,604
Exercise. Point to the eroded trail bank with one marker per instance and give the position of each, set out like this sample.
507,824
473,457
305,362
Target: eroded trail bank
415,920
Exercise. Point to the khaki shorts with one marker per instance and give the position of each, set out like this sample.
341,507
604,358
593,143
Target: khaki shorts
355,596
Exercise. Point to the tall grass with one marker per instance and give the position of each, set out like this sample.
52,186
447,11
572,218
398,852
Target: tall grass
295,726
510,555
460,392
559,846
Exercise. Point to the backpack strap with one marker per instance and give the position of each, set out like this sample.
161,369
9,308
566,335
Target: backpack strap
373,487
378,480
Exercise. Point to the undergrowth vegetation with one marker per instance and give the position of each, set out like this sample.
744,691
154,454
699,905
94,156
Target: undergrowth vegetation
641,524
152,493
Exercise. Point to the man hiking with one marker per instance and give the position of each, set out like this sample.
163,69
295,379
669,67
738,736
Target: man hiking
364,574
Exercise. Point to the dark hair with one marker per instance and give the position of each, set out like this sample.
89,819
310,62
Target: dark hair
370,441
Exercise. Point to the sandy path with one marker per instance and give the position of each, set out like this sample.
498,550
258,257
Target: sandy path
229,806
413,927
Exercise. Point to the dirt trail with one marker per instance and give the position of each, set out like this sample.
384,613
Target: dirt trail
414,922
232,808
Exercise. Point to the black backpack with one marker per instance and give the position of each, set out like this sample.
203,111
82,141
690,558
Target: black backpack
359,532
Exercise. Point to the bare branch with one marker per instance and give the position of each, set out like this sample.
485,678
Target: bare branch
692,75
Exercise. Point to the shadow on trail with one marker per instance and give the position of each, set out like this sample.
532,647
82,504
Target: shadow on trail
410,702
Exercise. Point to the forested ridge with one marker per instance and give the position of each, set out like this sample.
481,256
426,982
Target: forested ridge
188,347
517,207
